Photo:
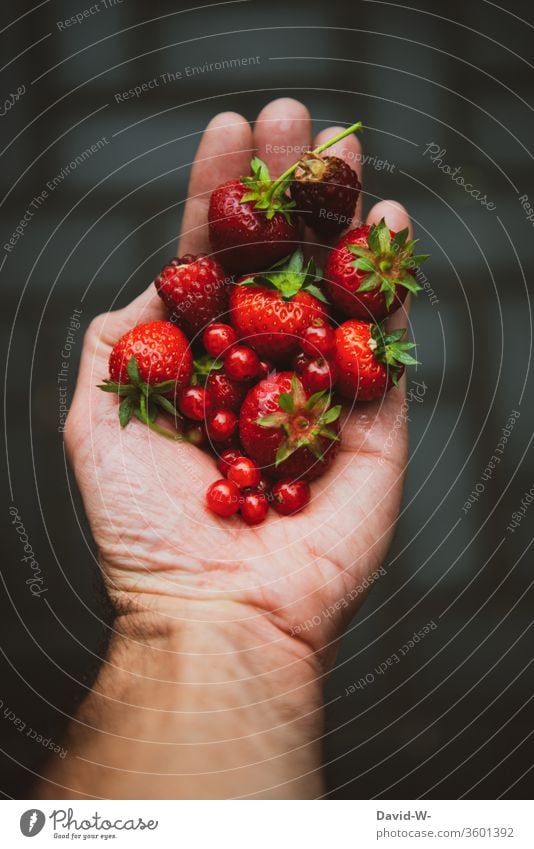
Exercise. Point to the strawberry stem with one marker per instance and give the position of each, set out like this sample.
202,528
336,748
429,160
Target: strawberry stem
318,150
143,417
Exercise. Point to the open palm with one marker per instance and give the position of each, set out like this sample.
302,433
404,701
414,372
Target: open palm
144,495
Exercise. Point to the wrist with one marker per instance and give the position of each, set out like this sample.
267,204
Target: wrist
202,700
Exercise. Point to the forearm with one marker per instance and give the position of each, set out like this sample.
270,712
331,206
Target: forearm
199,709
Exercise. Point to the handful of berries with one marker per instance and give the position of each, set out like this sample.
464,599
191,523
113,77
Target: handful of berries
261,348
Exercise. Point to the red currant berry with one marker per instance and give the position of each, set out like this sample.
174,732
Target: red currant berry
264,369
318,375
318,340
244,473
241,363
290,496
254,508
218,338
223,498
195,402
195,434
226,459
221,425
300,362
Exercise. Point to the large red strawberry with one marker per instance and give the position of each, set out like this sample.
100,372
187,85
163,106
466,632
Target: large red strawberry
272,309
146,368
250,224
194,288
287,432
370,271
325,190
369,361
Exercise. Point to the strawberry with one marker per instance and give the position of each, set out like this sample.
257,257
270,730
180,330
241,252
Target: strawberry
370,271
368,360
325,191
272,309
286,431
249,219
225,393
147,366
194,288
250,225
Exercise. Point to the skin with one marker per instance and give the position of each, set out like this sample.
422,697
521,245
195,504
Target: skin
208,689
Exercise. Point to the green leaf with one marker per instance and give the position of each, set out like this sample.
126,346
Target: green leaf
299,396
260,170
399,240
384,237
249,281
394,336
126,410
317,397
403,357
166,405
296,261
272,420
329,433
205,364
284,451
389,293
364,264
285,401
409,283
133,371
370,282
151,409
316,451
166,386
373,240
331,415
117,388
357,250
417,259
316,292
143,409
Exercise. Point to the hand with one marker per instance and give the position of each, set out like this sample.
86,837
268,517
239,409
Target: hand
212,682
144,495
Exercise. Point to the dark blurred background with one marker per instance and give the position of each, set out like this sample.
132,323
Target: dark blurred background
454,716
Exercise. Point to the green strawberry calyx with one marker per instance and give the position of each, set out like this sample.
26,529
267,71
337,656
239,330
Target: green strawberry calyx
202,368
143,400
388,261
290,276
259,187
270,195
304,421
390,351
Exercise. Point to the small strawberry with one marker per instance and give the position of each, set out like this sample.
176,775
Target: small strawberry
325,191
250,221
147,367
286,431
369,361
225,393
271,310
250,225
370,271
194,289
